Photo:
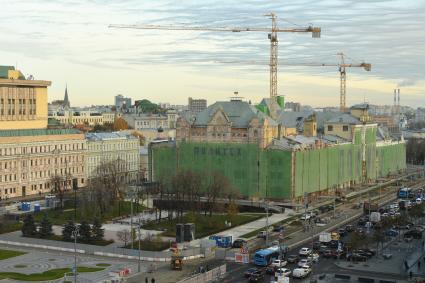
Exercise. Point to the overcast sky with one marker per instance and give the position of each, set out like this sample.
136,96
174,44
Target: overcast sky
69,42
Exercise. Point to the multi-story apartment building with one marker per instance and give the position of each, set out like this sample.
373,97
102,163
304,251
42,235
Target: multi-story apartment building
118,148
122,102
197,105
31,154
420,115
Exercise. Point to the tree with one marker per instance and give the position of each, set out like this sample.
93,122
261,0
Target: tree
124,236
120,124
85,232
56,182
215,189
232,210
67,231
140,136
356,240
145,106
378,237
45,227
28,228
97,231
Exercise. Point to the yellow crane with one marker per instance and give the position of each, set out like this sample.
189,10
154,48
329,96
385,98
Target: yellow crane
272,36
341,67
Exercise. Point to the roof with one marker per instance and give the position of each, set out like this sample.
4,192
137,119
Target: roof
240,113
361,106
292,119
345,119
4,71
37,132
109,136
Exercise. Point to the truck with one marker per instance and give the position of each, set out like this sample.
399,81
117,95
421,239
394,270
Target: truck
222,241
325,237
370,207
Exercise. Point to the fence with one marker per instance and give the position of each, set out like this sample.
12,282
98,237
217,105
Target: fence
210,276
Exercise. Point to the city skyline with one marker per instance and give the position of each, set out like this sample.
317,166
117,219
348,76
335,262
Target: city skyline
69,42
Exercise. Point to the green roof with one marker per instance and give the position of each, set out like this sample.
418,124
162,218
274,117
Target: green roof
240,113
4,71
37,132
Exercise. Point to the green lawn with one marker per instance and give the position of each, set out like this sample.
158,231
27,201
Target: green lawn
51,274
60,217
204,225
5,254
10,227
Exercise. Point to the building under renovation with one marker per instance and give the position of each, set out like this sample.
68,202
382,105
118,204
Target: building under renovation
285,157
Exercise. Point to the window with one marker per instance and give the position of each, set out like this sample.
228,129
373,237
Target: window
345,128
330,128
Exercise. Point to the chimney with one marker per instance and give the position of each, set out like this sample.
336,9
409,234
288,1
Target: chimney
398,102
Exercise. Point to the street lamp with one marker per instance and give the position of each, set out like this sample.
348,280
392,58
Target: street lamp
75,234
139,236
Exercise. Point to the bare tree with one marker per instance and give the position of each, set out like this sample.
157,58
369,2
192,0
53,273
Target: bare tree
57,188
124,236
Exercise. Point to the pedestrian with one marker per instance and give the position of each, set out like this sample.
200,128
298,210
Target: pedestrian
153,280
146,280
419,264
410,274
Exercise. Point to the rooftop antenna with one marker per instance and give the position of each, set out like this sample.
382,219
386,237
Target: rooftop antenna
236,96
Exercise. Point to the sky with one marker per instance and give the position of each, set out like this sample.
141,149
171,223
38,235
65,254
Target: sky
69,43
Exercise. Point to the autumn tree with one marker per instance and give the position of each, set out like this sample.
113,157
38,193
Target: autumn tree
120,124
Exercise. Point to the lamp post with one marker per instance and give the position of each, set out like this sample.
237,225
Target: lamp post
139,236
75,234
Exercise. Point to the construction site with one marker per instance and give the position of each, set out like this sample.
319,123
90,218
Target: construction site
267,152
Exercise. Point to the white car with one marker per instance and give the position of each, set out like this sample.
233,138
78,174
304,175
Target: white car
304,261
301,272
313,257
279,263
304,251
306,216
282,272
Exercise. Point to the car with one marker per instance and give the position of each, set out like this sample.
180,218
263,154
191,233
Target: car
262,235
416,234
317,245
293,258
279,228
305,261
304,251
349,228
342,232
301,272
256,277
408,238
328,254
364,253
239,243
282,271
250,271
362,221
313,257
279,263
356,257
391,233
419,228
305,216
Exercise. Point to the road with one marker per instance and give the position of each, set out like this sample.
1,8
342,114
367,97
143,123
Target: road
324,266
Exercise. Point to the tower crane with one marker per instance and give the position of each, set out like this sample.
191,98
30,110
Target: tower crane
341,68
272,36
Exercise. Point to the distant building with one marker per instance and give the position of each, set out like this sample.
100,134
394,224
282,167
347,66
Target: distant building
197,105
122,149
420,115
122,103
83,117
293,106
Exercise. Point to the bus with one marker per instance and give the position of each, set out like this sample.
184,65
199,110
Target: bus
405,193
266,256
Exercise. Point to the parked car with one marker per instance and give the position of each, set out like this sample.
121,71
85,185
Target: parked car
342,232
262,235
305,216
279,263
391,233
282,271
279,228
271,269
256,277
327,254
356,257
313,257
305,261
317,245
239,243
301,272
304,251
250,271
414,234
293,258
349,228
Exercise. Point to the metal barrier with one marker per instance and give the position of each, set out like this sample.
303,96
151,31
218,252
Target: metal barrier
212,275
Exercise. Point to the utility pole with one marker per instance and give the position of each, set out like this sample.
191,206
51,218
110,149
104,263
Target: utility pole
131,219
138,261
75,233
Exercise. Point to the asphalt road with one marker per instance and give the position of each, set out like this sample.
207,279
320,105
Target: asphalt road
324,266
